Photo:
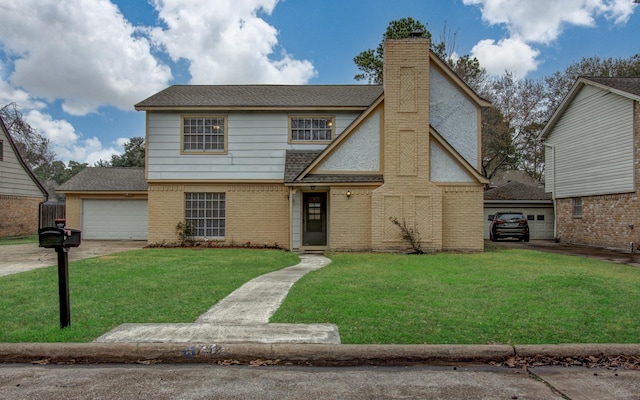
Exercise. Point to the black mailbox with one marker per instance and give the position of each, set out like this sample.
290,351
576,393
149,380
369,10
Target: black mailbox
53,237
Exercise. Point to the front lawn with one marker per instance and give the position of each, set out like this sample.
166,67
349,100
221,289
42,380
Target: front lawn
141,286
502,296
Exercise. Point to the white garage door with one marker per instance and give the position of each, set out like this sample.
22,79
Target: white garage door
114,219
540,220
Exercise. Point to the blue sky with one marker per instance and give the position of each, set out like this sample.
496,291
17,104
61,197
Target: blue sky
77,67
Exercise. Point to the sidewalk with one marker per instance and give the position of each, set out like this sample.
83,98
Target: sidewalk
236,331
241,317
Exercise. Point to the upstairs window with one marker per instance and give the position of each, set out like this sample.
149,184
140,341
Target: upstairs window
203,134
1,151
311,129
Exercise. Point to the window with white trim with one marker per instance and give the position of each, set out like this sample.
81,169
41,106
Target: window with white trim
205,212
201,134
311,129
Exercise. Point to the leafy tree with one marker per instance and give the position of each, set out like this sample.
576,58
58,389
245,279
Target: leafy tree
34,148
370,61
532,151
498,150
522,104
133,156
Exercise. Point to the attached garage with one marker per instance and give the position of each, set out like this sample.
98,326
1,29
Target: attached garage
107,203
530,200
114,219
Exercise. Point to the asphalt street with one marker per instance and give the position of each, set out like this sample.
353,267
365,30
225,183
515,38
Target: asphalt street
292,382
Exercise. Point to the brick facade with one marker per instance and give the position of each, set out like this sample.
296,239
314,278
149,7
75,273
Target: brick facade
256,214
19,215
608,220
350,219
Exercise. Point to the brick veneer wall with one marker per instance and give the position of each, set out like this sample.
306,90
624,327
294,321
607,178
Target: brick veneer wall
606,221
19,215
255,213
463,211
350,219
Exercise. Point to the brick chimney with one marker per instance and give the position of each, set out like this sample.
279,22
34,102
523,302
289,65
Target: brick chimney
407,193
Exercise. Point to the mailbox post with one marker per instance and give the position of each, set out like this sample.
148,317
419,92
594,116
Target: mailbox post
61,239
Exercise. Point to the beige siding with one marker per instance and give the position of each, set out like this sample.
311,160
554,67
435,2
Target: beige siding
593,143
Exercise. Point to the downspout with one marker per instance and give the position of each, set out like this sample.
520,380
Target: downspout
553,191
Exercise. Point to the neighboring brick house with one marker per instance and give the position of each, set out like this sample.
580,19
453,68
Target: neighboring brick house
321,167
20,191
592,157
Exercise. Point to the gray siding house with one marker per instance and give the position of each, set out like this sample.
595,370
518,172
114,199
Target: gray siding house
592,155
20,191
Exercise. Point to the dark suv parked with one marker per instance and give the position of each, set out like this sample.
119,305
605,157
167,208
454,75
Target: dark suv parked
509,224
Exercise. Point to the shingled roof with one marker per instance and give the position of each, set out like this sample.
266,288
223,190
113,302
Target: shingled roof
260,96
110,179
296,161
517,191
626,84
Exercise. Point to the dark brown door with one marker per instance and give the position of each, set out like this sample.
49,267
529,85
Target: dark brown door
314,231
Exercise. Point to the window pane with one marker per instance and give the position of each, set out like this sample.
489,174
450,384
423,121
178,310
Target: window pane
203,134
205,213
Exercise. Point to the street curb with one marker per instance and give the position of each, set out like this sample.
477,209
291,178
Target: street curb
293,354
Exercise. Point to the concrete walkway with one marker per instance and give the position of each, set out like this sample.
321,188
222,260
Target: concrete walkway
241,317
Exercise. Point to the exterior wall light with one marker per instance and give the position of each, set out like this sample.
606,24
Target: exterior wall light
348,194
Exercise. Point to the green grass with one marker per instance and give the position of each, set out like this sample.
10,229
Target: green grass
141,286
505,296
4,241
501,296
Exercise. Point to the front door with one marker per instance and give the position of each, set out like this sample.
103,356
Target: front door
314,231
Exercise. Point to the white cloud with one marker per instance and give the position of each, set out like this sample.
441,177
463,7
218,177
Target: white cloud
511,55
81,51
540,21
228,43
66,143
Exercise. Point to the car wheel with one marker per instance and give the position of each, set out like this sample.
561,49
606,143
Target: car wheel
493,237
526,238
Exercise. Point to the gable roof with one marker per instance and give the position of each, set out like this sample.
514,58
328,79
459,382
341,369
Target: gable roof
23,164
106,179
628,87
517,191
451,75
262,96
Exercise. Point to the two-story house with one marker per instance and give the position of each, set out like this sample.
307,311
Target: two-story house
317,167
592,158
20,191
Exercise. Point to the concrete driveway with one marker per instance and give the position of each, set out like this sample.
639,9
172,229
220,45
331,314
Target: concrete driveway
24,257
618,256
